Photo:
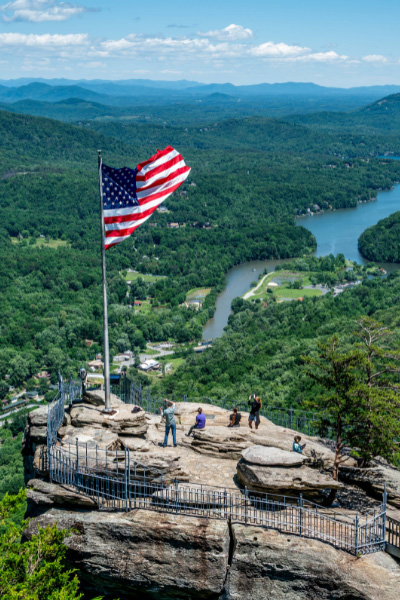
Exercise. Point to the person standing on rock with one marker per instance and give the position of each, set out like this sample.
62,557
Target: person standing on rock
169,414
255,403
200,421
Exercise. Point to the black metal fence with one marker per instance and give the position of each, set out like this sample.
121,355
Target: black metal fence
116,482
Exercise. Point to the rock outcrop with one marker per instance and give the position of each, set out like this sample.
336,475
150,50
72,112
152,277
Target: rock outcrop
270,565
123,421
373,479
150,555
145,554
276,471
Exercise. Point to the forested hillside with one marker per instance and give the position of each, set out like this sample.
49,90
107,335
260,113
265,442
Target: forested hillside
262,348
381,242
249,179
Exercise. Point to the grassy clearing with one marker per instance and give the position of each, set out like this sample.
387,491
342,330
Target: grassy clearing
282,290
43,242
145,308
283,293
197,293
145,276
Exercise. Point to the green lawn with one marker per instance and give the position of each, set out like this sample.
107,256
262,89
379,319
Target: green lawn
283,293
282,290
144,276
42,242
197,293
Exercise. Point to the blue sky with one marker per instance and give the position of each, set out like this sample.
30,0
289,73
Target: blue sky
340,43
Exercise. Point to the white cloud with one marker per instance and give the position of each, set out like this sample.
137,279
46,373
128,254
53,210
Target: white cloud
38,11
281,50
45,40
324,57
232,32
371,58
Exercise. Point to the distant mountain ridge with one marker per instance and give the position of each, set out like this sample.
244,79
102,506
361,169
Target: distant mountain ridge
186,88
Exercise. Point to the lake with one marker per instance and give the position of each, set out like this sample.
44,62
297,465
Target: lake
336,232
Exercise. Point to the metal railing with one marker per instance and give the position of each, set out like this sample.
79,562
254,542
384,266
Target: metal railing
289,418
116,482
393,532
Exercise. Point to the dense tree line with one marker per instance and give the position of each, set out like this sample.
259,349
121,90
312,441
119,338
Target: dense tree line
262,348
381,242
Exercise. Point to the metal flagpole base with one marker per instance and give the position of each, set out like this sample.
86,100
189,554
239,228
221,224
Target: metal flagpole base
109,413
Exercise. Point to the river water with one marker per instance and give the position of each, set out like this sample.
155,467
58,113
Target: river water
335,231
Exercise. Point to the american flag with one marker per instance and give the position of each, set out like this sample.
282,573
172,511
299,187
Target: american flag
130,196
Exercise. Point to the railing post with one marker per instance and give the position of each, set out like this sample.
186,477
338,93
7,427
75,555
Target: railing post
246,493
77,463
301,514
384,502
356,535
126,483
291,418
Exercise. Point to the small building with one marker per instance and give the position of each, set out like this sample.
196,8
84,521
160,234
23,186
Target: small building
173,225
162,209
43,375
96,365
89,343
137,303
149,365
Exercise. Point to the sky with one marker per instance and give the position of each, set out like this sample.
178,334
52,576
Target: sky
339,43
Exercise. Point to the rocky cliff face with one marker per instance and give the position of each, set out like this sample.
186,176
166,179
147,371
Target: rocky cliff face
144,554
149,554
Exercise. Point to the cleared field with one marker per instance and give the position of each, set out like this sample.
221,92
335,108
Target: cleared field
197,293
42,242
145,276
278,282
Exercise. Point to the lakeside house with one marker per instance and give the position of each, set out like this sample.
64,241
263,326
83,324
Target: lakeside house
149,365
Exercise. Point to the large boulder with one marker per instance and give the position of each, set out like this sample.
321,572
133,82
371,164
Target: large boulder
123,421
271,565
144,554
224,442
373,480
283,480
98,398
43,493
272,457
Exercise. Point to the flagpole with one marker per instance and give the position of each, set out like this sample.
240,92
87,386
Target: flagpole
107,404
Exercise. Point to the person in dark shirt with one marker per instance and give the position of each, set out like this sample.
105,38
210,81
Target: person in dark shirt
255,403
234,419
200,421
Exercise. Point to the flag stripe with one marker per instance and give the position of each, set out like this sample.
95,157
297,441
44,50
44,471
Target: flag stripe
154,180
123,214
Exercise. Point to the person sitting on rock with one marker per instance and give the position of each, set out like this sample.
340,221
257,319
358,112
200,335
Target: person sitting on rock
169,414
234,419
297,447
255,403
200,421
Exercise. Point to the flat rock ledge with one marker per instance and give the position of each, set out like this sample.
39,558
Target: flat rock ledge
281,480
123,422
272,457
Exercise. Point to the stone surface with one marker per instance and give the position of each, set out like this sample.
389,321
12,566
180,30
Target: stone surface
268,565
272,457
280,480
223,442
38,417
97,398
226,442
124,421
144,554
373,480
40,492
